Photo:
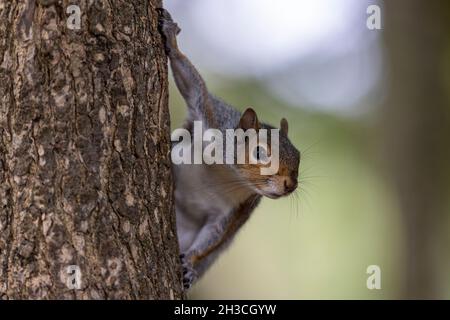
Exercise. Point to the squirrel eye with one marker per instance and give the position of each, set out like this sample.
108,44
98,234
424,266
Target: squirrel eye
260,153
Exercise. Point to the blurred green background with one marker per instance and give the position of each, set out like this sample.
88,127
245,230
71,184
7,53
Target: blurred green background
374,140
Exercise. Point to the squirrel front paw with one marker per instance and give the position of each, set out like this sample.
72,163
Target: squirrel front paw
169,29
189,273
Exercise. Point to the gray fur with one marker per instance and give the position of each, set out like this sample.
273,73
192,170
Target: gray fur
208,198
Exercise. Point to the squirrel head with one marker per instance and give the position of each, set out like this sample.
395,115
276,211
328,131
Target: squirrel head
284,181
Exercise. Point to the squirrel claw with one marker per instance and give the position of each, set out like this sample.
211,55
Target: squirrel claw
166,23
189,273
169,30
164,13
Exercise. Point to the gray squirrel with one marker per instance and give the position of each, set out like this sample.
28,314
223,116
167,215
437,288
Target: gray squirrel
212,202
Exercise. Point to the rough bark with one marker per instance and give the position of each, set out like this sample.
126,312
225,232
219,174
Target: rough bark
85,175
415,126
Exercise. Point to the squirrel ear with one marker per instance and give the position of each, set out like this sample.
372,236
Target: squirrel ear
284,126
249,120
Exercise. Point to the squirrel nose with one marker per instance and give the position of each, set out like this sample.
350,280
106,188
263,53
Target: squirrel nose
290,184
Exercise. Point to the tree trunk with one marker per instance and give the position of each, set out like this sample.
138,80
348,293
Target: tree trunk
86,204
415,127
